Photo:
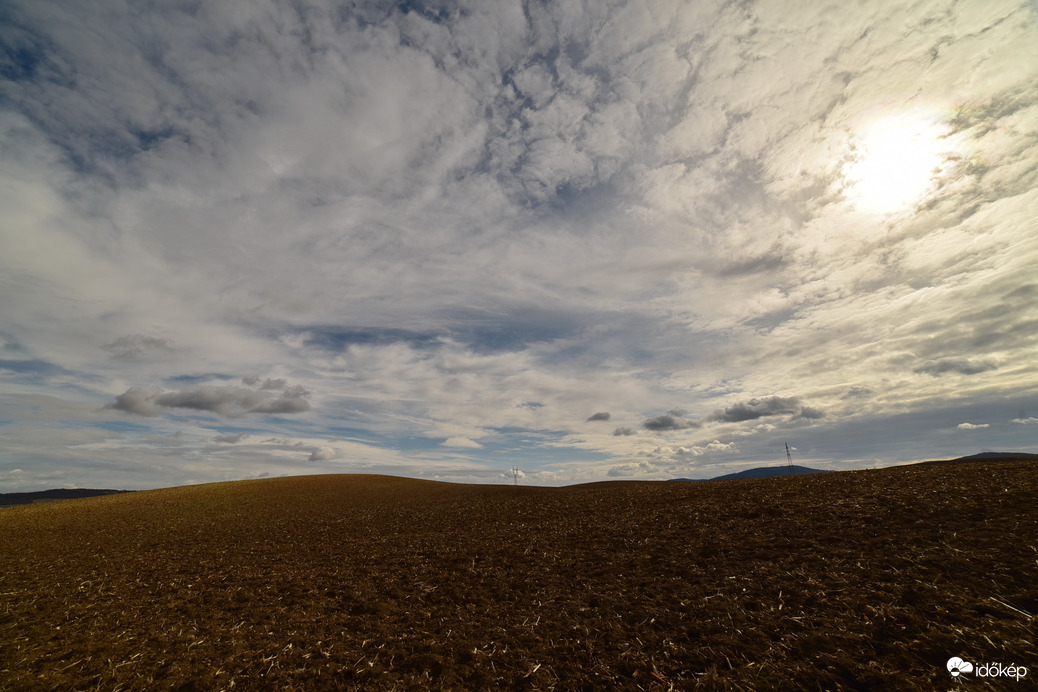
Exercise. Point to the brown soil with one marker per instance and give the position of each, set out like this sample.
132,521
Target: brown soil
859,580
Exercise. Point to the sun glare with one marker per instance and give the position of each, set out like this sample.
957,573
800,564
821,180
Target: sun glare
896,163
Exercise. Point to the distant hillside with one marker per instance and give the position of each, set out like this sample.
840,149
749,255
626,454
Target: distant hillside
764,472
772,471
985,456
769,471
11,499
997,455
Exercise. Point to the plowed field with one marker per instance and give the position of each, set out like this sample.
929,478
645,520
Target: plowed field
854,580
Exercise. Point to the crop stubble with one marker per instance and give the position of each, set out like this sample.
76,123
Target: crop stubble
856,580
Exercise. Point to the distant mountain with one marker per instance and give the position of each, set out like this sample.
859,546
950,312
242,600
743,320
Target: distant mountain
768,472
763,472
983,456
771,471
997,455
11,499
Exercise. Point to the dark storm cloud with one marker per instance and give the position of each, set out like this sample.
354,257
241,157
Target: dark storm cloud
671,420
223,400
761,408
962,366
601,415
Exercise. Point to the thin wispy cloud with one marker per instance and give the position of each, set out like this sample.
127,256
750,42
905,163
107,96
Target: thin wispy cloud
449,239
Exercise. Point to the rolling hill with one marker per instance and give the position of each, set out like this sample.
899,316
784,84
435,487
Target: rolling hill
764,472
11,499
853,580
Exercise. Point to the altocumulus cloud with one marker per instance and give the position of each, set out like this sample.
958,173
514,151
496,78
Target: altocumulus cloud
408,217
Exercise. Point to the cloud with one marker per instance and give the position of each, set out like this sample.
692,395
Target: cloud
230,439
228,401
602,415
137,346
760,408
972,426
1025,421
139,400
461,442
963,366
268,384
630,469
510,475
672,420
667,461
584,205
687,453
322,454
810,413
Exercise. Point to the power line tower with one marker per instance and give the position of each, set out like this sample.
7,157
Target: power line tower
515,474
789,459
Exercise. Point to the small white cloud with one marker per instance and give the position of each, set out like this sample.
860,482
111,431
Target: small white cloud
512,475
718,446
1025,421
972,426
461,442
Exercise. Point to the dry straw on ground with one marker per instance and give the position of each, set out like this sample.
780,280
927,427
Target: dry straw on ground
859,580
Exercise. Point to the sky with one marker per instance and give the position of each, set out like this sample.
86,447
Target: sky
591,240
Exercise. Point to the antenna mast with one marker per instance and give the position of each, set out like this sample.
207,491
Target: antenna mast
789,458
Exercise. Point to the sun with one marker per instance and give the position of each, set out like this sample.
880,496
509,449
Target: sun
896,163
